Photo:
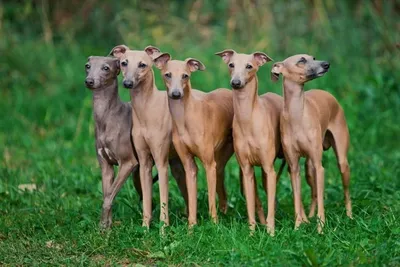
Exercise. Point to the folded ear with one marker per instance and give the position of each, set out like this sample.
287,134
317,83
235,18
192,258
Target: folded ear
162,60
194,64
261,58
117,65
152,51
118,51
226,55
275,71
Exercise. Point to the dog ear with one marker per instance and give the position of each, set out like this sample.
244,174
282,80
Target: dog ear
226,55
275,71
162,60
118,66
118,51
194,64
152,51
261,58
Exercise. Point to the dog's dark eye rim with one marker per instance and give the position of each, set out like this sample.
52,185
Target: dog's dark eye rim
168,74
142,65
124,63
231,65
87,66
185,76
249,67
106,68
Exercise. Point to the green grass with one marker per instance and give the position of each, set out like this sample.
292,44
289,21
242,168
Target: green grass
47,136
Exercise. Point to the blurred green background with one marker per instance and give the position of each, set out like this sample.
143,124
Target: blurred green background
47,130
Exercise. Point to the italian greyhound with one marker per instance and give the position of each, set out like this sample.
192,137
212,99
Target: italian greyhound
113,126
311,122
152,127
202,129
256,132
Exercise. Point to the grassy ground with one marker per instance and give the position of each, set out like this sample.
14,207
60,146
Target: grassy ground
47,140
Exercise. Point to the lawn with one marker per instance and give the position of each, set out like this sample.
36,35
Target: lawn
47,133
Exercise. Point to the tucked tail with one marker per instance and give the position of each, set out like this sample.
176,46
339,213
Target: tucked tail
155,179
281,169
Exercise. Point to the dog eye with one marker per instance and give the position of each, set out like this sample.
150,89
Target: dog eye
302,60
87,66
313,58
231,65
249,67
106,68
167,75
142,65
185,76
124,63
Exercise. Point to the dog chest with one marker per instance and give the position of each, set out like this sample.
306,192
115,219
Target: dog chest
251,149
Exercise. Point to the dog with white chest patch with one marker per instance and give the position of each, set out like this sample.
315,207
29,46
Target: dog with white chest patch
113,125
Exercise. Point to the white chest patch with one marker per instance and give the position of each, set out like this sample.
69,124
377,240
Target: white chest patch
100,152
106,154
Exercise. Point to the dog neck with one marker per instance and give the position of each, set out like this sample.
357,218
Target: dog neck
143,92
293,96
105,99
244,100
180,107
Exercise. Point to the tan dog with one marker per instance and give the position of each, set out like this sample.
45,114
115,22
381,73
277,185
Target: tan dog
255,128
202,128
152,127
311,122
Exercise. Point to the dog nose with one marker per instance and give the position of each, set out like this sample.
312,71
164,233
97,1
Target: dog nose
235,83
89,82
176,94
128,84
325,65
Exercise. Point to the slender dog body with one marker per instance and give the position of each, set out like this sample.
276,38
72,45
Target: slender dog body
255,129
202,129
311,122
152,127
113,126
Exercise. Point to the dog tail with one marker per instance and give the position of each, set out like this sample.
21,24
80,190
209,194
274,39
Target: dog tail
155,179
281,169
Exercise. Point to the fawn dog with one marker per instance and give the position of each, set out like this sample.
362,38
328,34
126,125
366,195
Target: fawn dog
256,133
202,129
113,126
311,122
152,127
